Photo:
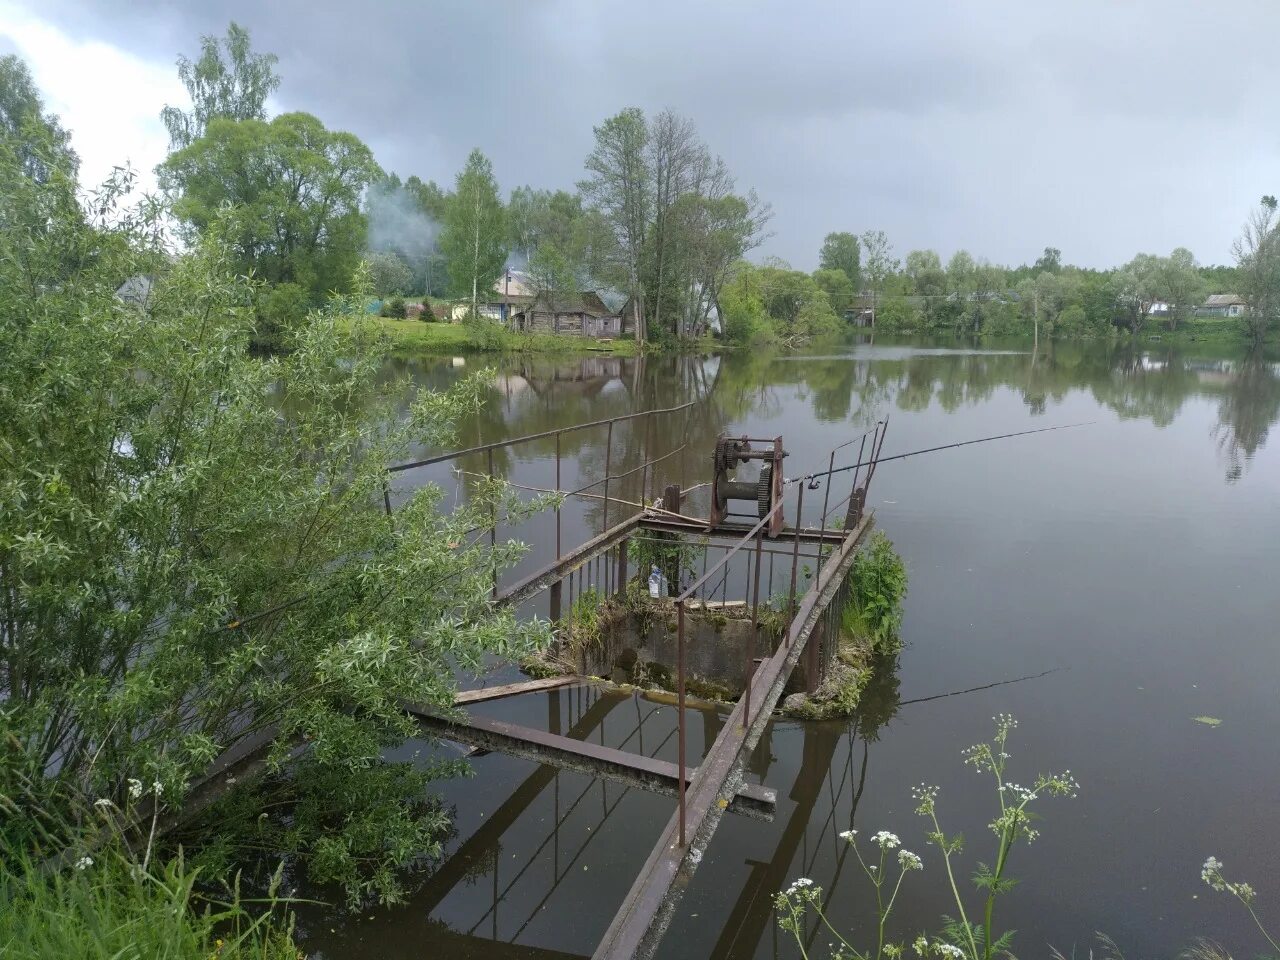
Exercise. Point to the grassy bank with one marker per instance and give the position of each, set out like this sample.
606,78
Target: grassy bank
1201,330
414,336
111,908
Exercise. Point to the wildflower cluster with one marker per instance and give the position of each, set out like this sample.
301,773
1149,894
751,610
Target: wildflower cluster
1211,873
963,938
793,904
924,947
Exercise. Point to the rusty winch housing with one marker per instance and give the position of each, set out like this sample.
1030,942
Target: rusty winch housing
765,491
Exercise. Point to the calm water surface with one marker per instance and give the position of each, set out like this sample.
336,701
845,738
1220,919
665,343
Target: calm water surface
1132,562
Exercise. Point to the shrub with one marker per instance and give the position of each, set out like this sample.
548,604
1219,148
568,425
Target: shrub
394,307
878,583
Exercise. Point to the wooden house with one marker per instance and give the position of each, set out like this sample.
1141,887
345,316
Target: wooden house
581,314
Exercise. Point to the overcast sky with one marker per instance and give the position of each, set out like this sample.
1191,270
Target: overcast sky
1103,127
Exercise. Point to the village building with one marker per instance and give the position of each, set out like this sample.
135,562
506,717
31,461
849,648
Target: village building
1223,305
581,314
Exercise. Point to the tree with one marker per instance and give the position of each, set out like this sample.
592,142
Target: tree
1138,287
389,274
878,265
228,81
295,187
1181,285
474,238
37,138
1257,254
619,186
835,283
196,550
1050,261
840,251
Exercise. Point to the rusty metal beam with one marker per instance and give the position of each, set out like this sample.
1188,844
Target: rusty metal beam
731,529
556,570
638,926
593,759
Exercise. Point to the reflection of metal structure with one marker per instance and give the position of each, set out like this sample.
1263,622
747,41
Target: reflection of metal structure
765,492
600,566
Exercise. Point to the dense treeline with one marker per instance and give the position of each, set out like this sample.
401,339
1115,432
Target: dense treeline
975,297
657,225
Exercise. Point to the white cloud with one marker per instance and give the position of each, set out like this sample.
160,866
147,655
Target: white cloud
110,100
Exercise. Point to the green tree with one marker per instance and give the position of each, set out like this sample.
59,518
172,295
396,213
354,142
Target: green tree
835,283
474,239
296,189
389,274
878,265
1138,287
1181,285
1048,262
37,138
195,550
619,186
1257,254
841,251
228,81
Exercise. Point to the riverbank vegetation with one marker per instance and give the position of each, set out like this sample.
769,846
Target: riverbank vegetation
185,571
869,637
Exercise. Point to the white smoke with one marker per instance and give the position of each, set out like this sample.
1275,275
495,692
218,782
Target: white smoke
398,224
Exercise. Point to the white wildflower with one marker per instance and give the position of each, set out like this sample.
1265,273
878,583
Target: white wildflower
157,787
102,803
848,835
909,861
84,863
886,840
921,945
135,788
949,950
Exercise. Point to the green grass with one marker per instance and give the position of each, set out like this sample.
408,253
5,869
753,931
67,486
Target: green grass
1213,329
415,336
110,910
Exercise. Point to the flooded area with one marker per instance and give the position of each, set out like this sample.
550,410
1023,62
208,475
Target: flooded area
1121,573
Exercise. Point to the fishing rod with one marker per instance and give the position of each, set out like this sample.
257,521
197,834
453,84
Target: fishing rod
946,446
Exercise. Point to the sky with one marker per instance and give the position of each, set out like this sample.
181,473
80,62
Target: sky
1101,127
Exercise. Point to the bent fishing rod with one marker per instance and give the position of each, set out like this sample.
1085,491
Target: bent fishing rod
875,461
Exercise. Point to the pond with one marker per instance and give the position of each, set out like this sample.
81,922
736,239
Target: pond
1119,573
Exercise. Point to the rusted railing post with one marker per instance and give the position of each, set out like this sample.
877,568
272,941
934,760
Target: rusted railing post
608,451
826,500
493,529
556,592
795,557
644,475
558,552
622,567
680,706
751,640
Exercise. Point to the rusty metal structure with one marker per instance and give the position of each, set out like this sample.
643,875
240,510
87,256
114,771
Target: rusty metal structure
750,558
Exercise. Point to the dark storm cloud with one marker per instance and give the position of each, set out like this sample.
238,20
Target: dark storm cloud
1103,128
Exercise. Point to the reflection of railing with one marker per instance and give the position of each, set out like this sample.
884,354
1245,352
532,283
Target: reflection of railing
488,450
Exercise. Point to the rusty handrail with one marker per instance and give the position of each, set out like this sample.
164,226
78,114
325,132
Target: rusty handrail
483,448
745,539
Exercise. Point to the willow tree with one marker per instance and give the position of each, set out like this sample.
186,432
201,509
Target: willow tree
194,549
227,81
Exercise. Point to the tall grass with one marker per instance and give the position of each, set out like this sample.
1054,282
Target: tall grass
111,909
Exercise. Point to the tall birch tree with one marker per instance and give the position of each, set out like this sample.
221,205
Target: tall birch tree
475,232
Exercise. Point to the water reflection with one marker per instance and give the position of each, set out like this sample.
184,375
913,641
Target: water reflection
544,857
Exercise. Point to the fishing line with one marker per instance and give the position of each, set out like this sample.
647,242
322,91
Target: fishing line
945,446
